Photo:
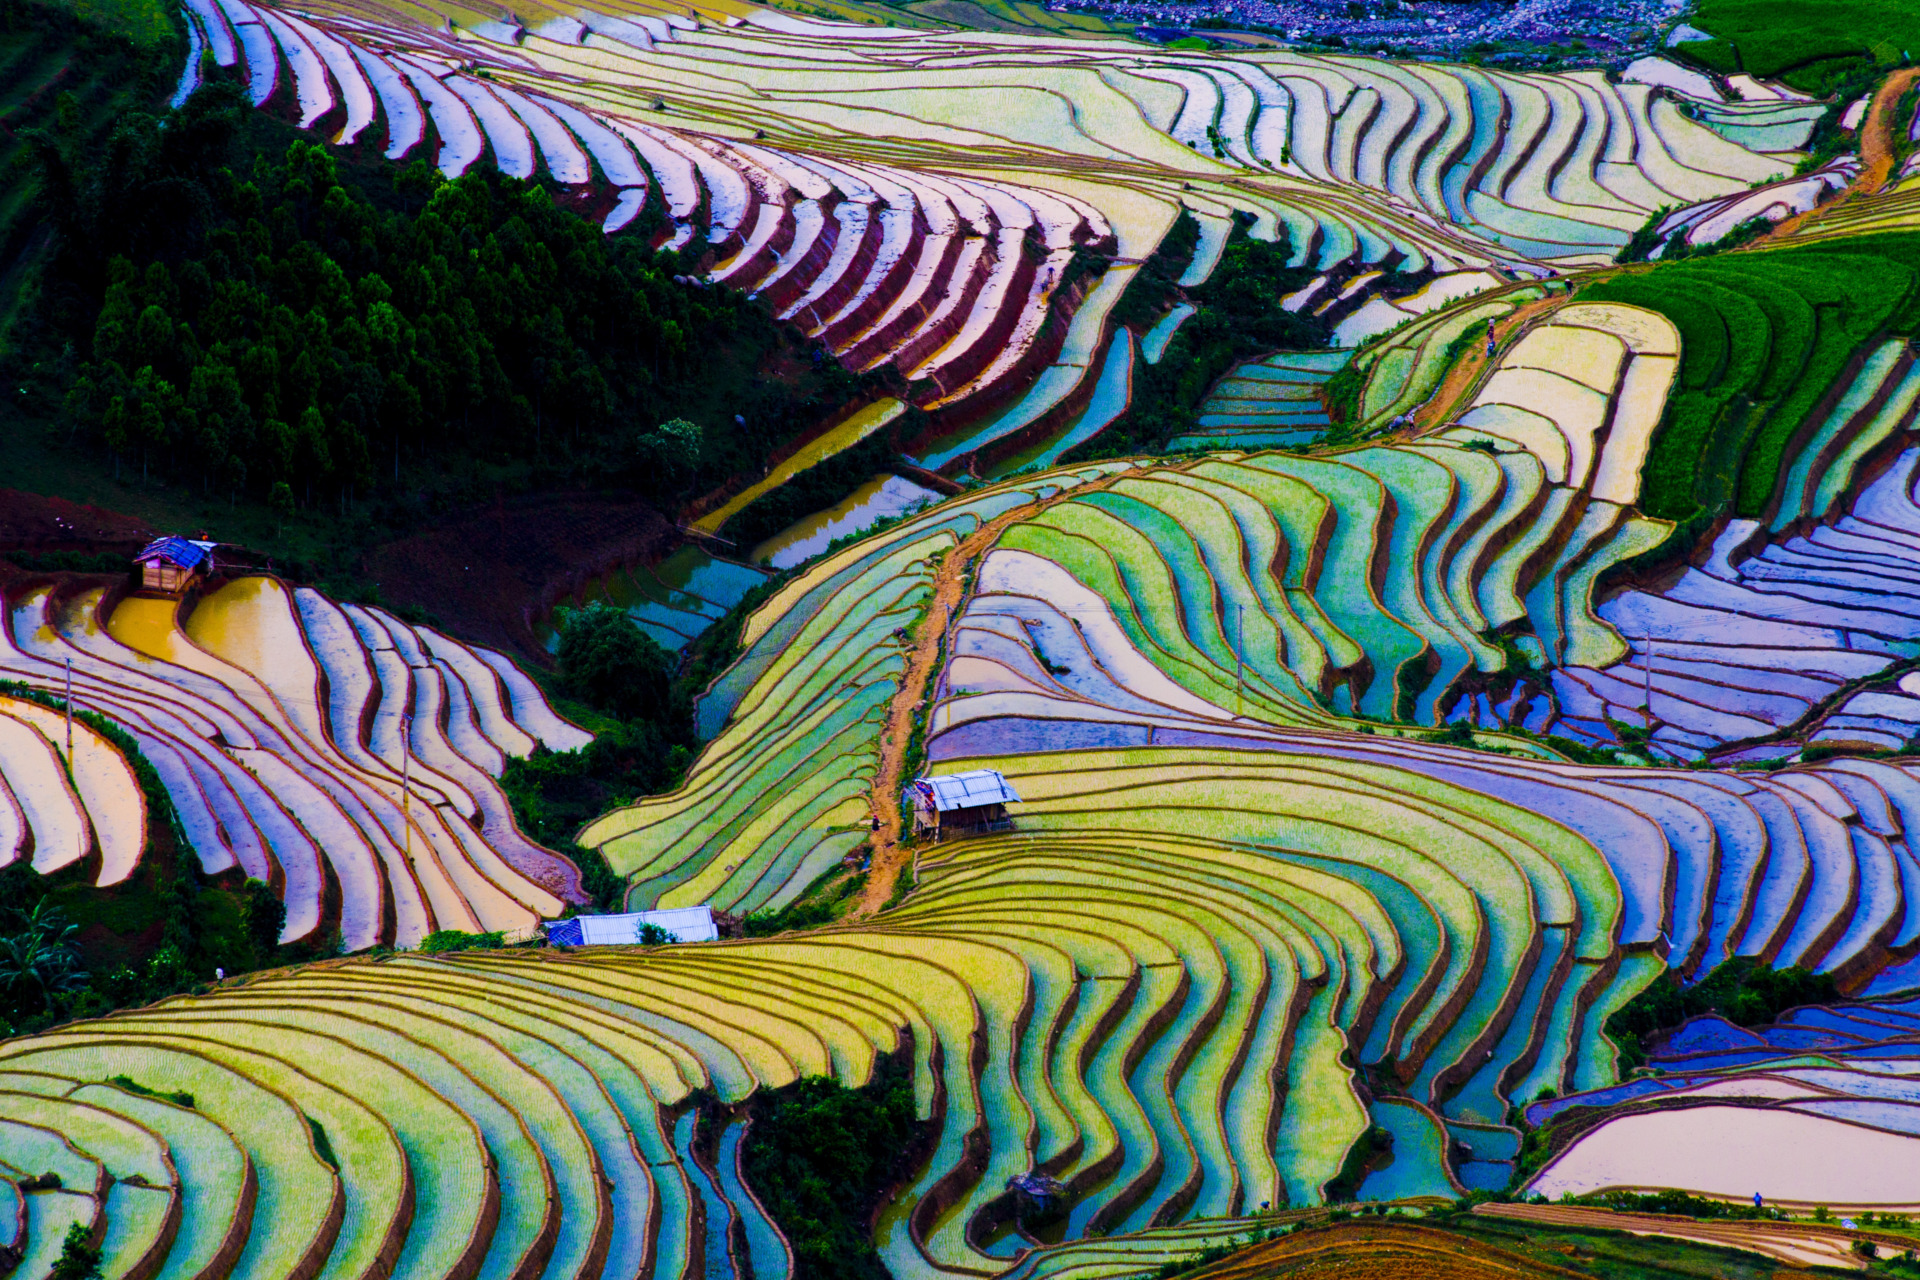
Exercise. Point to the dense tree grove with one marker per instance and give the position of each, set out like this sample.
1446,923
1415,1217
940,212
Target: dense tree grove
824,1157
297,329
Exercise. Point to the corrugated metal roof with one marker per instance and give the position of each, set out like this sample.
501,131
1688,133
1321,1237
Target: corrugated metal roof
688,924
966,790
176,551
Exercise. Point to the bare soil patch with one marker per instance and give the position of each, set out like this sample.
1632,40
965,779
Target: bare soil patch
486,575
1378,1250
33,522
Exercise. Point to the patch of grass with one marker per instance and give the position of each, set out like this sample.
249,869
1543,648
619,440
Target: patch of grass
321,1146
444,941
1810,44
176,1096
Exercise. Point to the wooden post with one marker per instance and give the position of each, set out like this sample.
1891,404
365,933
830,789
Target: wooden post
69,712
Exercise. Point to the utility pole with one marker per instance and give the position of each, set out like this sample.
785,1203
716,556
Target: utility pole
1646,681
406,782
69,712
1239,660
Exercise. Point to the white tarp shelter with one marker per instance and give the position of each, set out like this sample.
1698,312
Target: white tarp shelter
687,924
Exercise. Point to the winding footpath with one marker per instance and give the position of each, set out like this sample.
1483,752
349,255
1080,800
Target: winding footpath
1876,160
951,581
1471,369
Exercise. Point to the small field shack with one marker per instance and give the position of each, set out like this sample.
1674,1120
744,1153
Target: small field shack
172,564
961,803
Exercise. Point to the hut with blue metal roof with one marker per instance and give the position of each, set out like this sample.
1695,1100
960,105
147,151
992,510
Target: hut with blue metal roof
172,564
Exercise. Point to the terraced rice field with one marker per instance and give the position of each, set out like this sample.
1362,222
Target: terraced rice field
1833,1084
1146,1048
841,171
1775,643
1267,402
1168,661
1340,815
337,753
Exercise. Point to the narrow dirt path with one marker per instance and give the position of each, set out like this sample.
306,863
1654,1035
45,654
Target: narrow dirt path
1876,131
1876,158
890,857
1471,369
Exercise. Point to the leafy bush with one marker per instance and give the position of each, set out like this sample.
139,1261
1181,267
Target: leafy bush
1646,239
1375,1142
554,794
40,960
613,666
1682,1204
78,1259
448,940
1742,990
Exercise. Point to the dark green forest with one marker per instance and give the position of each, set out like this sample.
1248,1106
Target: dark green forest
278,324
209,319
